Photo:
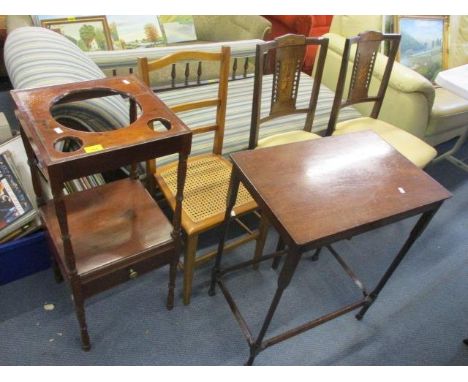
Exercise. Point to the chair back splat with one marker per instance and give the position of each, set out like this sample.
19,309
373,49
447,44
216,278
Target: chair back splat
145,67
284,56
367,47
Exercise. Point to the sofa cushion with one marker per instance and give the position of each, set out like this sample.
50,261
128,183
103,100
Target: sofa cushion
231,27
351,25
36,57
413,148
306,25
239,111
284,24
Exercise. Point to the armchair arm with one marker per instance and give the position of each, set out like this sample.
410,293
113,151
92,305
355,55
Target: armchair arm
409,98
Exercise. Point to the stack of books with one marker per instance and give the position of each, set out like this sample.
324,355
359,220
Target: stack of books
18,217
84,183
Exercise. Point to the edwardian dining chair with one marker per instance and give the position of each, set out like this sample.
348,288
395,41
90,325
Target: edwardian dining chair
365,58
208,175
285,56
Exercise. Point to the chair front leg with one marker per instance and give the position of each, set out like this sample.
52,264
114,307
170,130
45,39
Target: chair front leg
189,266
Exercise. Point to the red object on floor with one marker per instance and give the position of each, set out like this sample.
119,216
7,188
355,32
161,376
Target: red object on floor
308,25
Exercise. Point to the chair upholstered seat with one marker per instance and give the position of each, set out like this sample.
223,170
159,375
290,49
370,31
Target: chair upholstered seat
288,137
413,148
205,191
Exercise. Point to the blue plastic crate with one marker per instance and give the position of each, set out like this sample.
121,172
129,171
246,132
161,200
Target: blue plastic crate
23,257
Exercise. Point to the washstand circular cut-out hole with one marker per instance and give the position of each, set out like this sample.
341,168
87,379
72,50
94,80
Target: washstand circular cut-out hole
94,110
159,124
68,144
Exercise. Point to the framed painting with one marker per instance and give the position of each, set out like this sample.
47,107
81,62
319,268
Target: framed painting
424,43
178,28
90,33
133,32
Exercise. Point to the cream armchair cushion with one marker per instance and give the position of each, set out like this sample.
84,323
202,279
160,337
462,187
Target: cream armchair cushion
289,137
413,148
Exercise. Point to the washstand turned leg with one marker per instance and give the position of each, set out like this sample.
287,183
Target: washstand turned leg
78,300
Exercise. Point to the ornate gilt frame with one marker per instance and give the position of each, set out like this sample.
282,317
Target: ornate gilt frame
48,23
445,33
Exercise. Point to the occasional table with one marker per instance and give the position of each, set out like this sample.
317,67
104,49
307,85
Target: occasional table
455,80
317,192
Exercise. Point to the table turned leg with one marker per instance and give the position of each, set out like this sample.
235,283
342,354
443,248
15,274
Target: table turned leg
190,253
78,301
316,254
231,201
284,278
415,233
56,269
277,259
177,227
260,242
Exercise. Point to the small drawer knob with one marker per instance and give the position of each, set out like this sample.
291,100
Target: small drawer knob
132,274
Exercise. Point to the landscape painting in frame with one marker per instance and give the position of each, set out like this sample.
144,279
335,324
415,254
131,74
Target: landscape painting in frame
423,46
131,32
178,28
89,33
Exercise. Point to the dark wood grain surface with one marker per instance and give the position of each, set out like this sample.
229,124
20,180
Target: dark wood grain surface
109,234
110,225
335,186
133,141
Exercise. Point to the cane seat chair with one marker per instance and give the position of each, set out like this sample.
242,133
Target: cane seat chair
284,56
208,175
365,58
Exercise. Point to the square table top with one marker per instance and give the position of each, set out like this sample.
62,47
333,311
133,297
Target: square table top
34,109
335,187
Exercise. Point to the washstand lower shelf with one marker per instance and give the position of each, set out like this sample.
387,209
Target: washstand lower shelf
117,233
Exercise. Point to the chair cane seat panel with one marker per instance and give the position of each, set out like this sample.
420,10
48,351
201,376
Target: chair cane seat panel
288,137
410,146
205,191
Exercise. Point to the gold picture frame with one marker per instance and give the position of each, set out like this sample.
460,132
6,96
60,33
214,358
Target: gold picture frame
90,33
424,43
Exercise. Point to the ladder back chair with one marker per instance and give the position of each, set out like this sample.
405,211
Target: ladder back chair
208,175
286,55
366,56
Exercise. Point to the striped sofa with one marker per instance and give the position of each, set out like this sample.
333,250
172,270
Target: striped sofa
239,108
122,62
39,57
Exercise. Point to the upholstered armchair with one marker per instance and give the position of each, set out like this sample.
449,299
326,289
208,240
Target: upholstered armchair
411,103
